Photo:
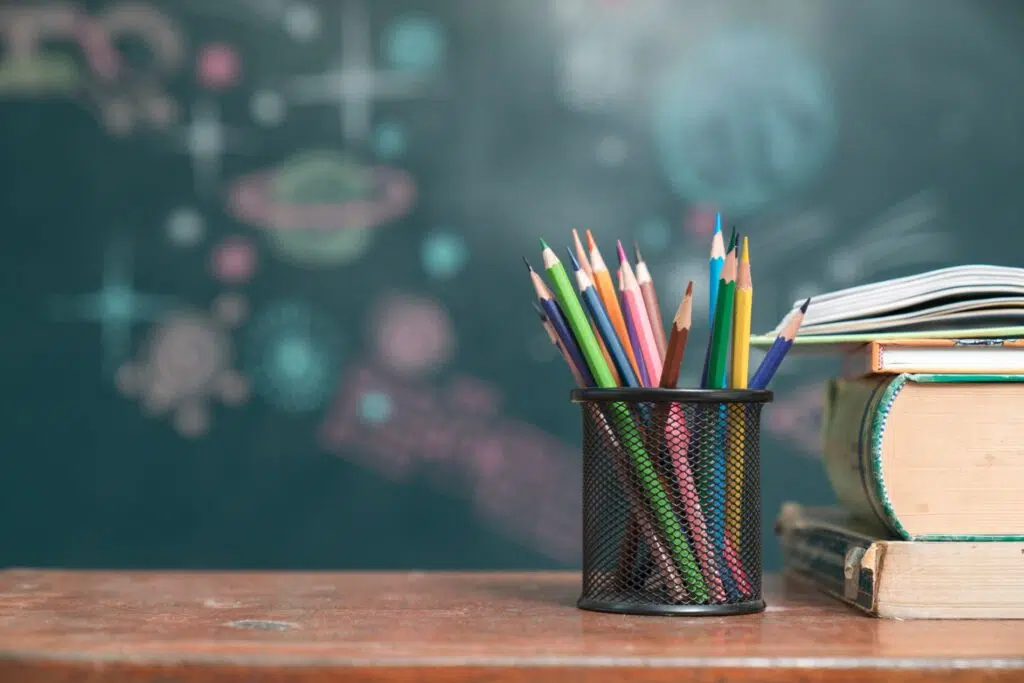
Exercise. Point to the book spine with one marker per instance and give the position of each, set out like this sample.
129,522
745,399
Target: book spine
853,423
821,556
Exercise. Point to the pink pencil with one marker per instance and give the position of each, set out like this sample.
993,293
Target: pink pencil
677,436
634,299
736,568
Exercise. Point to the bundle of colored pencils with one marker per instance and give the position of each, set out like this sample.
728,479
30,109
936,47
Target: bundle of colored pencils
611,339
618,339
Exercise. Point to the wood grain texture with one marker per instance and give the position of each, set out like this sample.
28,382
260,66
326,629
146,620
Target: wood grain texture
58,626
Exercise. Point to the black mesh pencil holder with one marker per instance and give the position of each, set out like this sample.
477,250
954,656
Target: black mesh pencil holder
671,500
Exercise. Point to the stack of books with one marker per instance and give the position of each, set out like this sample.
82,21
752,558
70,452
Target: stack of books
923,443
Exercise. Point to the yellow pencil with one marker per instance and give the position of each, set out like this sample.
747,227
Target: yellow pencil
741,321
744,299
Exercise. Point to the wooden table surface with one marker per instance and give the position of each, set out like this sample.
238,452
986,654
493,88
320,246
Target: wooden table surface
182,627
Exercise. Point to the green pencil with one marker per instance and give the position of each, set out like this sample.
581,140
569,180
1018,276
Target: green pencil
629,435
721,335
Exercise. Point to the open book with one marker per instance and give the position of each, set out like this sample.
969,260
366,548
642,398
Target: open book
974,301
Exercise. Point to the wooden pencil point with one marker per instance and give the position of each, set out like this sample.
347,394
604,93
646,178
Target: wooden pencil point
636,253
803,309
543,244
528,266
622,252
572,259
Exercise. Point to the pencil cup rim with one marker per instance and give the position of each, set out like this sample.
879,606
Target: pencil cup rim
656,395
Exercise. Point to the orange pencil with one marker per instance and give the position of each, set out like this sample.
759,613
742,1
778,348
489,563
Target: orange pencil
581,258
606,290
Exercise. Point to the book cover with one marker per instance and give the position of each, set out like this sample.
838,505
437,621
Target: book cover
928,464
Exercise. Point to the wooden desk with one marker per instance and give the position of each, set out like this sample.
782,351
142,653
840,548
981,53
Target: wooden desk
254,627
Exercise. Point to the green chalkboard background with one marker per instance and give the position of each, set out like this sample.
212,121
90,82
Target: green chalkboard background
262,299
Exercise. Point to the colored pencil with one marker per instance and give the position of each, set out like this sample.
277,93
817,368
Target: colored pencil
742,309
715,264
634,333
677,340
650,295
736,452
777,351
599,318
639,514
606,290
677,436
721,334
584,261
631,292
629,434
553,336
561,326
713,479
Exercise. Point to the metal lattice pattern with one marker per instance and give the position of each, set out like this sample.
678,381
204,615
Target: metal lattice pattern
671,507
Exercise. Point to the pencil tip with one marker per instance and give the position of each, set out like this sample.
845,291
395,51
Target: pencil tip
636,252
745,254
718,222
528,266
622,252
575,263
803,309
689,288
543,244
590,240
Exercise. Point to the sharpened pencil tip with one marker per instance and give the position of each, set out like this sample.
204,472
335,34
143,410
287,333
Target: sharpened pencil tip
528,266
622,252
689,288
575,263
636,252
718,222
803,309
543,244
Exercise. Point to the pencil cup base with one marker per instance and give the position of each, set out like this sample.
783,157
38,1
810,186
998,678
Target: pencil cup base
749,607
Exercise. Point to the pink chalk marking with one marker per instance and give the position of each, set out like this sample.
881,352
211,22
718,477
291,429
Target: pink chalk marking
518,477
394,193
234,260
700,222
99,52
470,395
218,66
797,417
413,335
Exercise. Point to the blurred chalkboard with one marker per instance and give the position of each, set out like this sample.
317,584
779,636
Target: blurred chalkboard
263,304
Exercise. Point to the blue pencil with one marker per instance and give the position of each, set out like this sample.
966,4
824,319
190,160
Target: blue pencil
777,351
604,324
557,320
715,263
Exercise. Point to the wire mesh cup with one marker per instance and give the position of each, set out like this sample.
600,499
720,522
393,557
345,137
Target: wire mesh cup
671,500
